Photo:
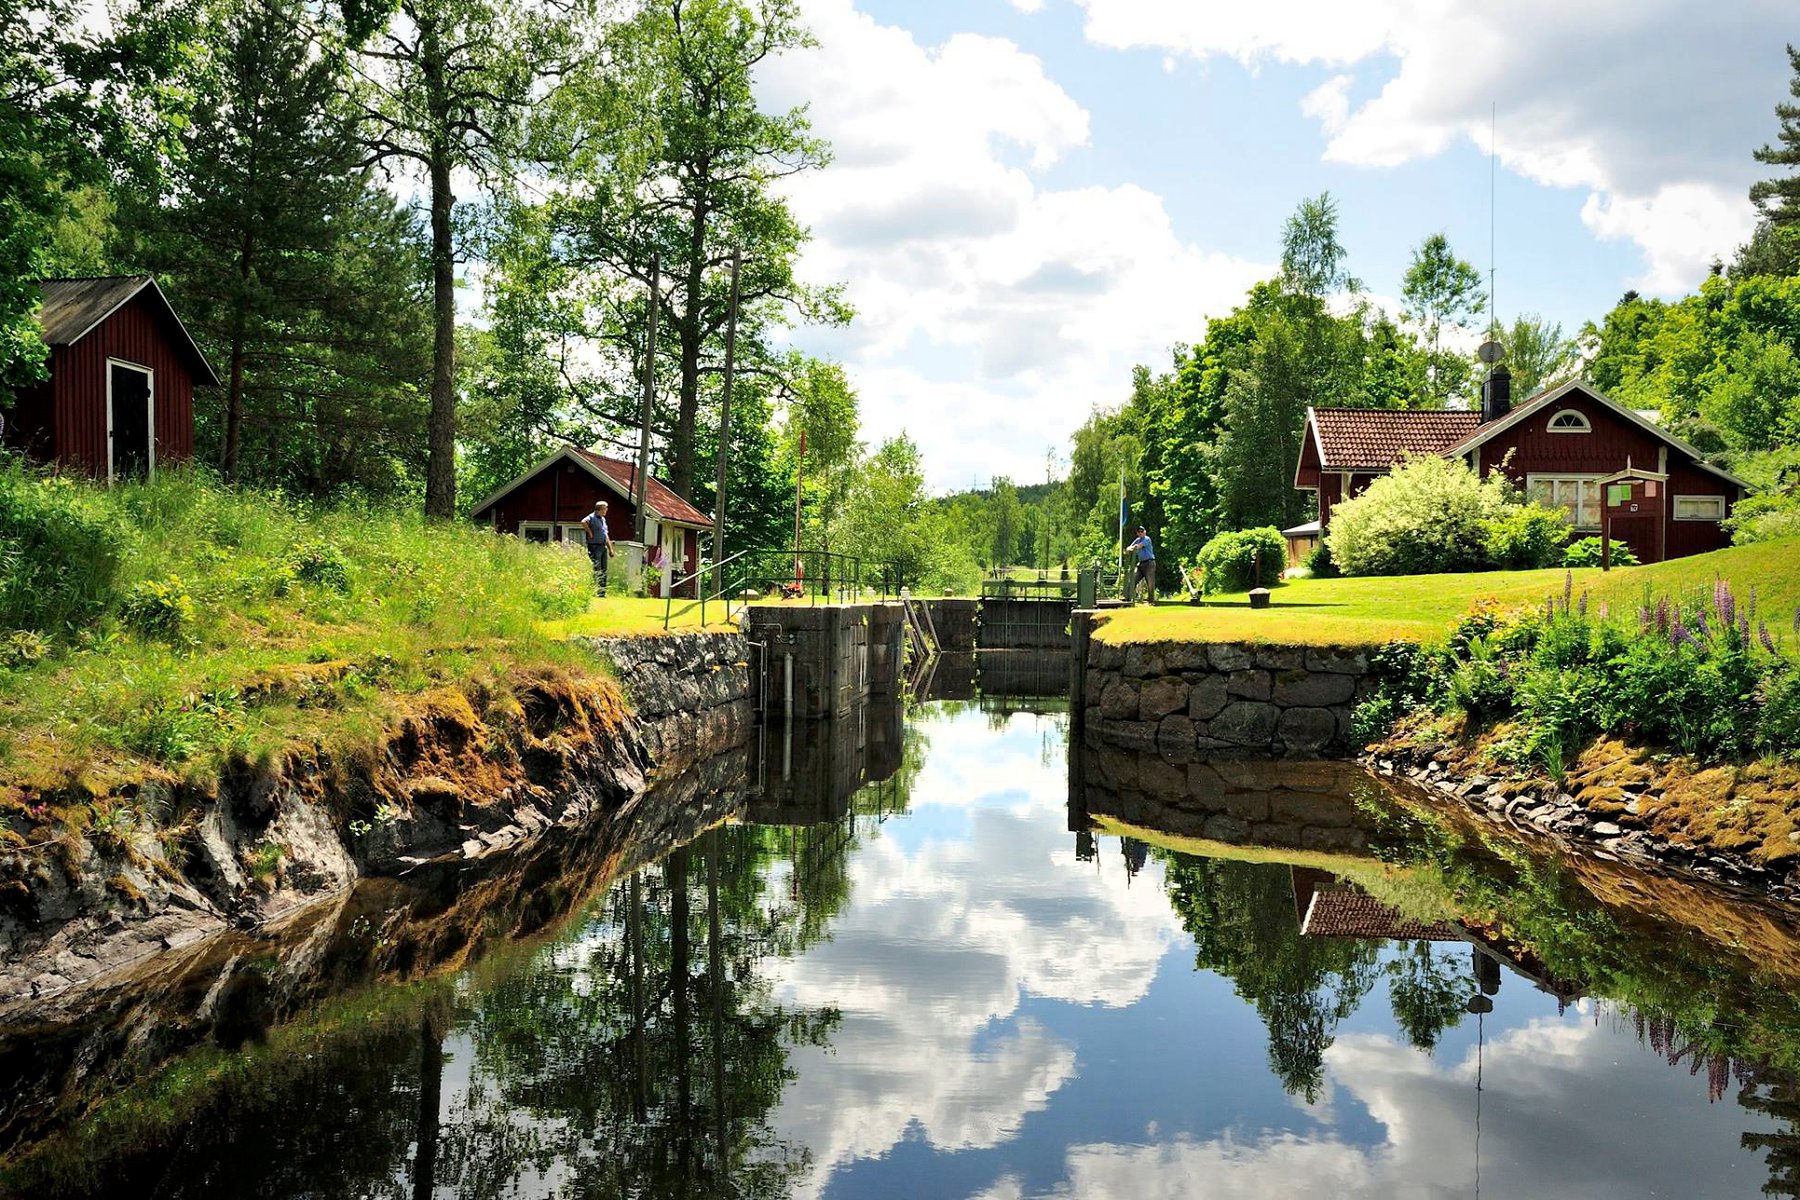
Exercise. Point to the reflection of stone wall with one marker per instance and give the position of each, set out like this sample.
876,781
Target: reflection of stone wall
1226,698
807,771
1240,801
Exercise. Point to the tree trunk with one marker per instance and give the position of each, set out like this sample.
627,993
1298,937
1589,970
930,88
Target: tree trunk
691,327
234,406
440,428
425,1128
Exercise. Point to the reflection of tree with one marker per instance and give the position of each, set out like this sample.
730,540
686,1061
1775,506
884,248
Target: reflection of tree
1427,991
1241,917
1776,1097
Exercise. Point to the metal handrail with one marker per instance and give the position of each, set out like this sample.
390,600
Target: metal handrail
669,600
850,574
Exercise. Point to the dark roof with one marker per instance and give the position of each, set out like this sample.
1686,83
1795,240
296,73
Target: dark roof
662,500
1378,438
1349,912
73,307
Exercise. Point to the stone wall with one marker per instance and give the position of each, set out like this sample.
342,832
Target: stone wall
1219,698
691,694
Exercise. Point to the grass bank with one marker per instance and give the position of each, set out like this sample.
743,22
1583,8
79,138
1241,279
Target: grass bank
1371,611
176,625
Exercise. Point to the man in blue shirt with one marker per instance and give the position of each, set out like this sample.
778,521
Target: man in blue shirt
1145,570
599,542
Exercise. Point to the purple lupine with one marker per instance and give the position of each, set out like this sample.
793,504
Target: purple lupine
1679,635
1663,615
1568,588
1752,605
1582,608
1702,626
1646,618
1725,602
1762,633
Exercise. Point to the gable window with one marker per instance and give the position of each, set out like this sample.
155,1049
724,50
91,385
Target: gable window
1577,495
1699,508
1570,421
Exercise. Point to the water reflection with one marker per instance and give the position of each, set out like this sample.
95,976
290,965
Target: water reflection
1000,971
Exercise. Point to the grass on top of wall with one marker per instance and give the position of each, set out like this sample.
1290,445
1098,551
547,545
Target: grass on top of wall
1372,610
177,624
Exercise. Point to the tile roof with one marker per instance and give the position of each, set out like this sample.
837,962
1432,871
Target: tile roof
663,502
1349,912
1380,438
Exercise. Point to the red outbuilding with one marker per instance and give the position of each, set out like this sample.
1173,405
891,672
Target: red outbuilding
546,504
1606,466
119,401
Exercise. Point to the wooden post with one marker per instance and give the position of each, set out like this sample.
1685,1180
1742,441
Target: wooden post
643,463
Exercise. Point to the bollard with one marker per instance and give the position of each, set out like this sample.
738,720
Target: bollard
1259,597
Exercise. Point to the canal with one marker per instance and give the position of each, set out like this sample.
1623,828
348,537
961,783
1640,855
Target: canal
988,966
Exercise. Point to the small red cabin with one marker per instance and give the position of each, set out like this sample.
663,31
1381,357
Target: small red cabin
1569,447
120,397
546,504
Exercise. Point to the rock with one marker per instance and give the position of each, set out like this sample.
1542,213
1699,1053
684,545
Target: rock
1337,661
1605,829
1307,730
1142,661
1246,724
1119,701
1160,697
1228,658
1304,689
1176,735
1249,685
1207,698
1280,658
1227,829
1185,656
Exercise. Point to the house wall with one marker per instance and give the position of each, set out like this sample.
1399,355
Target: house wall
137,334
563,491
1613,442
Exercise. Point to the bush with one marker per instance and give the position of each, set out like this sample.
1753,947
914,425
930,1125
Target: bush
1229,561
59,556
1586,553
1429,515
1319,564
1526,537
160,609
321,564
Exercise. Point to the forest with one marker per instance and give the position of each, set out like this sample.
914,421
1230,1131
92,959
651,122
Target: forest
419,240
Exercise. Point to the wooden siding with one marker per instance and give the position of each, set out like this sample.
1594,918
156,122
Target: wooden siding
136,334
563,491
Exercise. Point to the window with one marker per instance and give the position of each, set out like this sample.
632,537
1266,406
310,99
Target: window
1699,508
1577,495
1570,421
543,531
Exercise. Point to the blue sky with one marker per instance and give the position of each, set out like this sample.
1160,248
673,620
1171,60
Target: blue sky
1032,195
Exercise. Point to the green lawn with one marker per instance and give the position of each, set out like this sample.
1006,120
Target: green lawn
638,616
1370,611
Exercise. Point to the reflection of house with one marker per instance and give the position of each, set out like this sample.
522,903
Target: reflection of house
1564,446
546,504
120,397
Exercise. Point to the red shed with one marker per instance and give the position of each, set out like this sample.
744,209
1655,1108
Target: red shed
1564,446
120,397
546,504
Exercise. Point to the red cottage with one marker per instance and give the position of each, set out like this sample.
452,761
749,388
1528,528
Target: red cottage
546,504
120,397
1569,448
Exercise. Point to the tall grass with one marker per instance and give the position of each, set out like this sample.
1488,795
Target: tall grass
178,621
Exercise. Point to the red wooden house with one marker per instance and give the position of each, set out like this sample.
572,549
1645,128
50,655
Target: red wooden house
1569,447
120,397
547,502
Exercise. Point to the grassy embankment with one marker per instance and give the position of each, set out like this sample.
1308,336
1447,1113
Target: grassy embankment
1370,611
172,627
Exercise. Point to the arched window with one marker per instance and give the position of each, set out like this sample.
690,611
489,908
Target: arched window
1570,421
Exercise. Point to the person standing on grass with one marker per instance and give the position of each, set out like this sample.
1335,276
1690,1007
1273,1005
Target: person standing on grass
599,543
1145,572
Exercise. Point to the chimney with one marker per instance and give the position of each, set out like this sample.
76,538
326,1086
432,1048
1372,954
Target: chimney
1496,394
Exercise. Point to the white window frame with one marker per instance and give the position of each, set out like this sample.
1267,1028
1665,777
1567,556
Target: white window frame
1723,503
1532,480
567,528
150,377
1586,425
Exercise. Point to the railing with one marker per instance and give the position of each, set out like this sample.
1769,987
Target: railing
790,574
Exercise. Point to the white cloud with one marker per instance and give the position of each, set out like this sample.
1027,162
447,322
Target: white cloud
993,311
944,941
1653,106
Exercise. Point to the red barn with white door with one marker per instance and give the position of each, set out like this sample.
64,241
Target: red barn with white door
120,398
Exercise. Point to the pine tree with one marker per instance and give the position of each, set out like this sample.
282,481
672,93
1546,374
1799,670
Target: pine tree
1779,199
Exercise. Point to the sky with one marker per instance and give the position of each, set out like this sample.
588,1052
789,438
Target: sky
1030,196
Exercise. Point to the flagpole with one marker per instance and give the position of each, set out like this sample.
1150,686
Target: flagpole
1121,517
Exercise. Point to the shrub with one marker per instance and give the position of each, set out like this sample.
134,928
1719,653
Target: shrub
160,609
1229,560
1526,537
1586,553
1319,563
23,648
321,564
59,556
1429,515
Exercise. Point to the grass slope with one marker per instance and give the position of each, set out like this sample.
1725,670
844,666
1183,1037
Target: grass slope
1371,610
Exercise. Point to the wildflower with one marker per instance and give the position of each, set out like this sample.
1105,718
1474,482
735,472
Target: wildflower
1568,588
1725,602
1662,615
1762,633
1752,604
1583,606
1679,635
1701,625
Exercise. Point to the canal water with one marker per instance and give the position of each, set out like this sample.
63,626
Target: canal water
987,967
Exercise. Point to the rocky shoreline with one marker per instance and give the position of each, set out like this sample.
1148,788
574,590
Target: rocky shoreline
456,782
1540,807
